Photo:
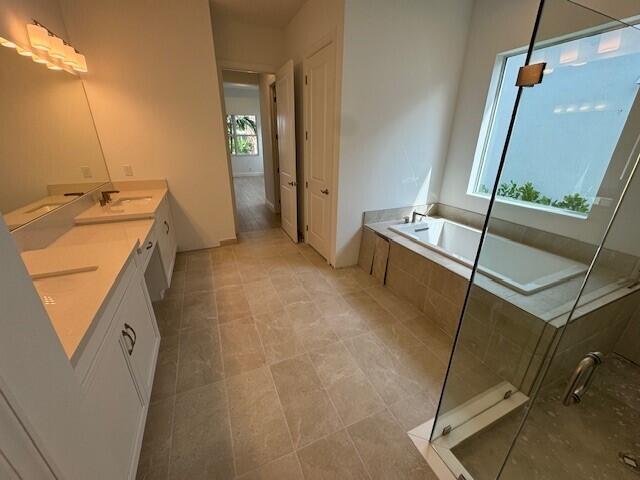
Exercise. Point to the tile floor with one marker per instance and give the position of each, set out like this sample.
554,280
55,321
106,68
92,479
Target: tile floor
273,365
251,208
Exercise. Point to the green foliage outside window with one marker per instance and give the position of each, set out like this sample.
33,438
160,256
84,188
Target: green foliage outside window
242,134
528,193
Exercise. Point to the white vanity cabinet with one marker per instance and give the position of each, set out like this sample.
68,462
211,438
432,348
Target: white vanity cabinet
119,384
165,234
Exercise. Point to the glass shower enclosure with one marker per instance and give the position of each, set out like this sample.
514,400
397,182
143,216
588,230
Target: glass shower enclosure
544,379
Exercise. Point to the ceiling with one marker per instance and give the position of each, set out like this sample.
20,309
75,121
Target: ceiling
268,13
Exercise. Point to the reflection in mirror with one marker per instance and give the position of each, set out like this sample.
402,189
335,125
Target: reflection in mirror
49,150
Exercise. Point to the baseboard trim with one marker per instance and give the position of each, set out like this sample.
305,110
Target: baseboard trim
248,174
228,241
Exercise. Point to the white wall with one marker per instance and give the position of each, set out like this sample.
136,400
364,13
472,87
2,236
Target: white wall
153,89
402,62
272,194
250,47
245,101
316,23
485,41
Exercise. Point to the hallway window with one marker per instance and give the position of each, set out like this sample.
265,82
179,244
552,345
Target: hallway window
242,131
566,129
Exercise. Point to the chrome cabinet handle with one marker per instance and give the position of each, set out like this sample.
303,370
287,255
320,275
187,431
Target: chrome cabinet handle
325,191
166,224
581,378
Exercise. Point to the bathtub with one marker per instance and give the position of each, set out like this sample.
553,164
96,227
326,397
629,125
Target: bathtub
522,268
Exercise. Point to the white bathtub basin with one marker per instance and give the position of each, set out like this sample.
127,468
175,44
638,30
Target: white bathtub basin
525,269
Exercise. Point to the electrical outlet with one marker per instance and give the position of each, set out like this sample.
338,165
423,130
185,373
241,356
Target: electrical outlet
128,170
86,171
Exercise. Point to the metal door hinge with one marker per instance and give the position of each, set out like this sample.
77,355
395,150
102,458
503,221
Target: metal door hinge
307,227
306,135
306,184
530,75
306,80
276,136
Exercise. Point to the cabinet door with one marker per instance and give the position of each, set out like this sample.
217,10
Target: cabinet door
166,238
113,396
140,333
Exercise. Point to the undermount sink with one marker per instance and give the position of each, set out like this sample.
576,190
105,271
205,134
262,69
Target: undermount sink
124,201
46,208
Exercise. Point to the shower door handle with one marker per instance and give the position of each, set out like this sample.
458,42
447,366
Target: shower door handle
581,378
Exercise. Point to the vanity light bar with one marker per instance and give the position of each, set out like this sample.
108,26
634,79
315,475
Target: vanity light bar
49,49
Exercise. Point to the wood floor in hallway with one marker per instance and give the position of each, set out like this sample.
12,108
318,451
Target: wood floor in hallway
273,365
251,206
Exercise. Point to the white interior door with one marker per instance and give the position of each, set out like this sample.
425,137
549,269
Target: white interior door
319,145
285,105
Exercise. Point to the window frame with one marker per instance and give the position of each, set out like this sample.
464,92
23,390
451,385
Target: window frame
233,135
489,114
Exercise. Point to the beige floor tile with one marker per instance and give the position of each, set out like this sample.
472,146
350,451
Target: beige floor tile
284,468
309,412
262,297
200,359
199,281
168,315
201,446
414,410
332,457
347,325
258,426
387,451
279,339
241,348
354,398
199,310
333,363
432,336
164,381
232,305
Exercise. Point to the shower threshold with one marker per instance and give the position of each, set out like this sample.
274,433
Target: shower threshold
462,423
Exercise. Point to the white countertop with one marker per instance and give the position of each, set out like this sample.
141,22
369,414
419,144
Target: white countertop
115,212
30,212
74,301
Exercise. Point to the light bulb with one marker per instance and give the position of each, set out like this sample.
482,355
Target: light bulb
57,48
24,52
38,37
81,63
70,56
38,59
6,43
53,66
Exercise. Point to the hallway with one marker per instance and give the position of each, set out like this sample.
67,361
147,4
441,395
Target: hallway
273,365
252,210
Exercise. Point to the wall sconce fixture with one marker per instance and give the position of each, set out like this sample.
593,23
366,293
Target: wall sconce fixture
49,49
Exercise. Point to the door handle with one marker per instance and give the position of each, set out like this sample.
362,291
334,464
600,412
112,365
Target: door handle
581,378
325,191
293,184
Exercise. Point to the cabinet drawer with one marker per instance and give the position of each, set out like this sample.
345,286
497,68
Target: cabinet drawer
146,249
140,334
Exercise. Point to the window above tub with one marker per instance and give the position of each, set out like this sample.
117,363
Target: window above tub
567,128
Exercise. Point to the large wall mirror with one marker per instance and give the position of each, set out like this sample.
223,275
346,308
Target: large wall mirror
49,150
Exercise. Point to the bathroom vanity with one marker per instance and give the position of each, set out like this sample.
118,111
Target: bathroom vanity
94,281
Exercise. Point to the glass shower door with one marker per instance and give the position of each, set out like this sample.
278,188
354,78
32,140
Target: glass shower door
547,289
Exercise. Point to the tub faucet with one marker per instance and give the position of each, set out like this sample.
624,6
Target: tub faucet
417,214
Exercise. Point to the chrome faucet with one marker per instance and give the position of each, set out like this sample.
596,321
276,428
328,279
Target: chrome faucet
417,214
106,196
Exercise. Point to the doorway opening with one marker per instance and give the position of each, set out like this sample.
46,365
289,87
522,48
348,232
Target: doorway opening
252,142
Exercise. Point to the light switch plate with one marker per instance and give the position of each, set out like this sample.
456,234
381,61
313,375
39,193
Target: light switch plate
86,171
128,170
